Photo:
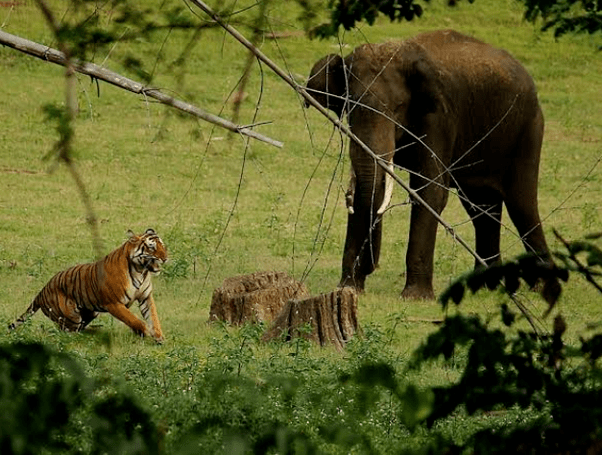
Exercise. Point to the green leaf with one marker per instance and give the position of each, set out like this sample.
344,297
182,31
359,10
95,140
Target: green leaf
508,316
455,292
476,280
511,278
417,405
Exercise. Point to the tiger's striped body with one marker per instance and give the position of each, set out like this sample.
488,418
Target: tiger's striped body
74,297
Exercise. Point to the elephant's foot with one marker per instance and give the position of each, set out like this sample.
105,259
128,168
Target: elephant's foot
355,282
418,292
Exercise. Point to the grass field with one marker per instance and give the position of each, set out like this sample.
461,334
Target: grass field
224,207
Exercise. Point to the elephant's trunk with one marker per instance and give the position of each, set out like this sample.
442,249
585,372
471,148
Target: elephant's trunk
371,195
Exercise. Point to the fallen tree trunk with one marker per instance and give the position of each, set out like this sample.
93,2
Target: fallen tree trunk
90,69
325,319
258,297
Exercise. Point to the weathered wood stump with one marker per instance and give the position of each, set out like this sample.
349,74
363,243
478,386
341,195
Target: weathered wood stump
257,297
332,318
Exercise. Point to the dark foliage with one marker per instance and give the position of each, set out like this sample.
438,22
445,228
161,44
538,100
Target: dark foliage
566,16
346,13
50,406
526,371
508,276
561,16
36,404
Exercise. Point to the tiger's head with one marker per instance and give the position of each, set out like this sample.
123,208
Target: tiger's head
148,252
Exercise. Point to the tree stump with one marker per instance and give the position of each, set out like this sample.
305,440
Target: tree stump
257,297
332,318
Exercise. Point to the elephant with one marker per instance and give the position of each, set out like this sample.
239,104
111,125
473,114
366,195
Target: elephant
456,113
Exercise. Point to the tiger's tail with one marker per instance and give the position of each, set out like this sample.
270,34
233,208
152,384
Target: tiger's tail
25,316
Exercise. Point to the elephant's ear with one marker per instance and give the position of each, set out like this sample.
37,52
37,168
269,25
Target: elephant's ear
326,83
422,81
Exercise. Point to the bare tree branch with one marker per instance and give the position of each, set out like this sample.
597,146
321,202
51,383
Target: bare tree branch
95,71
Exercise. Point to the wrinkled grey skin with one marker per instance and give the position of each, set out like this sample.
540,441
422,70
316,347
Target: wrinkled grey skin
477,111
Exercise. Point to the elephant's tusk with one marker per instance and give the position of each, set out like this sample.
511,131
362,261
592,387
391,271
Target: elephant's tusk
388,192
349,198
350,193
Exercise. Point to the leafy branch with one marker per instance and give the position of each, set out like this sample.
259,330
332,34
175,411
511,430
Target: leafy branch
528,371
580,256
562,16
44,396
507,277
566,16
593,258
347,13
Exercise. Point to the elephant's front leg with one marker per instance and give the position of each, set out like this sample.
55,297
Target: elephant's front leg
364,224
421,243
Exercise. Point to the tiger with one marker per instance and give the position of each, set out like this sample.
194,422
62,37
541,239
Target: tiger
74,297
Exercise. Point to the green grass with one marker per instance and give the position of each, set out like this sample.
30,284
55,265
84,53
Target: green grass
145,166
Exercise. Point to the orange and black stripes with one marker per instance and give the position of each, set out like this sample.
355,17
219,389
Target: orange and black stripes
74,297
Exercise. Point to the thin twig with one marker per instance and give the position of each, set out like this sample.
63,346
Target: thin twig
580,267
11,9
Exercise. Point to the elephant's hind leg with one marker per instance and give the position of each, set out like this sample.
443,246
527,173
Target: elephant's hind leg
484,207
526,219
521,202
521,191
524,215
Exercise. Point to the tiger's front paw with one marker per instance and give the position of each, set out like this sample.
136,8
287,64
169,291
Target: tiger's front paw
158,336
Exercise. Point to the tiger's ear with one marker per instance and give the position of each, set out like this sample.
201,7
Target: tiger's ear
150,231
131,235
